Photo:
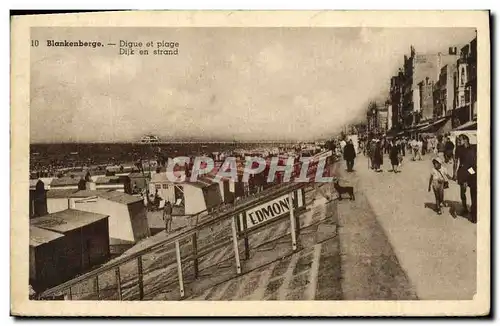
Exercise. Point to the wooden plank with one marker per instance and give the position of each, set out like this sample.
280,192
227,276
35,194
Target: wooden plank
118,283
245,241
195,254
140,277
179,268
235,246
96,286
292,224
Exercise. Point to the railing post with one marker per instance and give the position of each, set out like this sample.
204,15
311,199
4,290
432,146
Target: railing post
235,246
292,223
195,254
140,276
294,204
245,240
179,268
96,285
70,293
118,283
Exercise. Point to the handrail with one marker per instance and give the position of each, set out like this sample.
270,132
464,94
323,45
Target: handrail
170,240
241,206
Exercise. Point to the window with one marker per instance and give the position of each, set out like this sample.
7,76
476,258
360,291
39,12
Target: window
158,186
165,186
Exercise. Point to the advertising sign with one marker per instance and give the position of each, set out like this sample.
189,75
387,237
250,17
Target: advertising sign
270,210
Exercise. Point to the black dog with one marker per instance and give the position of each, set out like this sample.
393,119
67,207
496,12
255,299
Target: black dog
344,190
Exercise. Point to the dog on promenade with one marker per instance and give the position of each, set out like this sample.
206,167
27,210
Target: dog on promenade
343,190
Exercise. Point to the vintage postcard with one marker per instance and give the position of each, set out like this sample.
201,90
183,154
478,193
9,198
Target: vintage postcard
251,163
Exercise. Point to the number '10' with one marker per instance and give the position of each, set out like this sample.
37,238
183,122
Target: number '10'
34,43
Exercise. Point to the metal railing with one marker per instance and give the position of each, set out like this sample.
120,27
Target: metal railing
202,223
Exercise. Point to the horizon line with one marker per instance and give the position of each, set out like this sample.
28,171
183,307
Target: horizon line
179,142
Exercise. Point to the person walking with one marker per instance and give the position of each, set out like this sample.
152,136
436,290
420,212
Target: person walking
342,144
402,145
439,182
371,151
465,173
420,145
394,156
433,143
378,159
388,146
349,155
414,148
167,216
440,145
449,147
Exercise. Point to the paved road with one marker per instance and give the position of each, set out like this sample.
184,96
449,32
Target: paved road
437,252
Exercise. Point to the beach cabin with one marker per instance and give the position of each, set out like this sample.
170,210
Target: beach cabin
65,244
128,221
188,198
138,181
117,183
65,183
61,199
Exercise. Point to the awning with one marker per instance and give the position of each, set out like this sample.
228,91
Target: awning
471,125
433,126
418,127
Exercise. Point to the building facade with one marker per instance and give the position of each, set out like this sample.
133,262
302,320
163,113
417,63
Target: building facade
396,99
383,118
444,91
377,117
466,85
426,100
420,72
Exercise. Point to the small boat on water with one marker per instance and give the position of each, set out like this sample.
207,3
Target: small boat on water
150,139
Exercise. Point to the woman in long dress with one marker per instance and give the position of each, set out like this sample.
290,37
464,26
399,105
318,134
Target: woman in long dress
378,156
394,156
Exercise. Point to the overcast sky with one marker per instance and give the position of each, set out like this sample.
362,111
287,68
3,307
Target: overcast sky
225,84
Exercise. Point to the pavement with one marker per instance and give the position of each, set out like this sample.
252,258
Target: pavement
436,252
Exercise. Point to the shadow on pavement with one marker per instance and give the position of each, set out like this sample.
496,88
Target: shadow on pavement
456,210
431,206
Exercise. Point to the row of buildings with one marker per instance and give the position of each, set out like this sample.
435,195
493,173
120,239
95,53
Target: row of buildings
431,93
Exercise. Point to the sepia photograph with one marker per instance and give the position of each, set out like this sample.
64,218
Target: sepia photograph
251,162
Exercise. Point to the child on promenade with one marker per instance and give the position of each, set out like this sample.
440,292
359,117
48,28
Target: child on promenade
439,182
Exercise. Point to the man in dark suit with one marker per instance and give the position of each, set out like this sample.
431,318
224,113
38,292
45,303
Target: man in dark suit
349,155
